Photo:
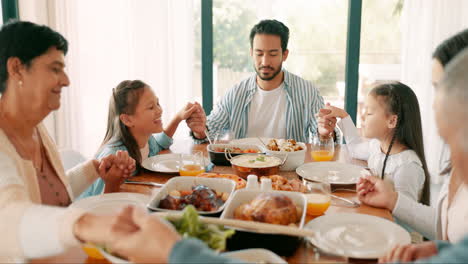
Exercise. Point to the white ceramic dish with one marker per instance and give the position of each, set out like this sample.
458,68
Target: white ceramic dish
331,172
255,255
111,202
356,235
245,196
186,183
294,160
166,163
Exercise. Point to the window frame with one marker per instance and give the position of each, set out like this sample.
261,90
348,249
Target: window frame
352,55
9,10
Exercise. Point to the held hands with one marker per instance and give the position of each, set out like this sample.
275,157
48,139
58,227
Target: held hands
197,122
141,238
114,169
327,118
410,252
187,111
376,192
132,233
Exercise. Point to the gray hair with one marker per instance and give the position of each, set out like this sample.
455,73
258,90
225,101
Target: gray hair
454,88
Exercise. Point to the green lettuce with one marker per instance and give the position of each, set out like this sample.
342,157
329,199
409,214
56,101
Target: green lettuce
190,226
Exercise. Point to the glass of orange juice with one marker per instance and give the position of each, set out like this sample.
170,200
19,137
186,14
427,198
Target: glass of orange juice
191,165
318,197
323,148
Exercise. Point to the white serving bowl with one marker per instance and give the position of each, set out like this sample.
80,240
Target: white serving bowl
186,183
244,196
294,160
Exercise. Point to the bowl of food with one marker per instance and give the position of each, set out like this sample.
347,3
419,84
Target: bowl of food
257,164
280,183
207,195
217,152
273,207
294,151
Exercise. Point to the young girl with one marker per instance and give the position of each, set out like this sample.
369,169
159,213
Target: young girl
134,116
395,151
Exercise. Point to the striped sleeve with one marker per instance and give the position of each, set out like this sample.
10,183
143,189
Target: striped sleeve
228,108
318,104
218,121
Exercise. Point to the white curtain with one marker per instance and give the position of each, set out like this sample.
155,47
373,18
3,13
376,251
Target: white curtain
114,40
425,24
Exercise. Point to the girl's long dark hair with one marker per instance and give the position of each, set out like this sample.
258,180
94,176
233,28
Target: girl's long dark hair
402,102
123,100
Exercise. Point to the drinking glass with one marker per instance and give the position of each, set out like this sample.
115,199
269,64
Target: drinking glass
191,165
322,148
318,197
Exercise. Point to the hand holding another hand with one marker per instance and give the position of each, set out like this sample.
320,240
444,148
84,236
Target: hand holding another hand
376,192
197,122
187,111
114,169
142,238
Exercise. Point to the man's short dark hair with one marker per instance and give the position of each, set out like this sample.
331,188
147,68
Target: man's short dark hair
26,41
271,27
448,49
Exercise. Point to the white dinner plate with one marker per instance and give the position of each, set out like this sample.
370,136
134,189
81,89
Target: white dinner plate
251,141
331,172
356,235
166,163
113,259
255,255
109,203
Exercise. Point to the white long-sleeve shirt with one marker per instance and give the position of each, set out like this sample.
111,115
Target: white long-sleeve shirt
403,169
30,229
437,222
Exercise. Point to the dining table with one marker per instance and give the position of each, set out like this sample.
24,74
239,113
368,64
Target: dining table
305,253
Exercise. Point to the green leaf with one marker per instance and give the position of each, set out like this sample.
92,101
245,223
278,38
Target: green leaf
212,235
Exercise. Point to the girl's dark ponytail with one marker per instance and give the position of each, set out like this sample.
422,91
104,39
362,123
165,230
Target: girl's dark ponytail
394,96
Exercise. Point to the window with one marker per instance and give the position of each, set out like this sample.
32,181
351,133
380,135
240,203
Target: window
148,40
380,46
317,44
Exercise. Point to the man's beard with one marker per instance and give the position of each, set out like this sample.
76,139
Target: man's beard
259,74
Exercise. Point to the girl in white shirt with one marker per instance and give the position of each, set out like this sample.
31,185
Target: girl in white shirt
394,146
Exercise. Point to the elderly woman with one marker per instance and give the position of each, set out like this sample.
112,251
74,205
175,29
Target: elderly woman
34,188
445,220
450,112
